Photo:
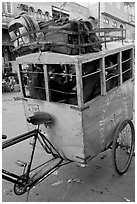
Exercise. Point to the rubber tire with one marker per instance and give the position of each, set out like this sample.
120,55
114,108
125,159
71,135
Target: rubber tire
119,128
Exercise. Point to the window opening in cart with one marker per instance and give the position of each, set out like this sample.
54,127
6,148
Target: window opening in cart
56,81
62,83
111,71
32,79
91,80
126,65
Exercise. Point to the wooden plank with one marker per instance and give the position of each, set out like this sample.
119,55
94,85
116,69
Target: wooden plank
119,61
46,83
79,84
55,58
103,76
66,132
112,48
103,116
132,60
46,58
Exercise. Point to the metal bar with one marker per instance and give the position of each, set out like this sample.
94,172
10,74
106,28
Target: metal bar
12,177
38,87
12,180
91,74
112,77
53,170
67,45
40,176
61,74
60,30
10,174
45,163
106,30
111,66
19,138
127,70
45,30
126,60
32,155
67,93
44,138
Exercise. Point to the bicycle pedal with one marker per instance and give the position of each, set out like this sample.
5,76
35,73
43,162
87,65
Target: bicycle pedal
21,164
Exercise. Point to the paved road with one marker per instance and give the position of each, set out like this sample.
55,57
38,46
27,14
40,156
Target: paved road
95,183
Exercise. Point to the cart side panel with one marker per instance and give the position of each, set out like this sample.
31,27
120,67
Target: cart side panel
128,89
66,131
102,116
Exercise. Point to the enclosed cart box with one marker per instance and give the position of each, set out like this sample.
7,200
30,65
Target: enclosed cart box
83,125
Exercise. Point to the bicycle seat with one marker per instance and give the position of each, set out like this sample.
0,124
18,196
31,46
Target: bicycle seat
39,118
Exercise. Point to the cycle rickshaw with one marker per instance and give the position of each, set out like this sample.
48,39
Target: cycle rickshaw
70,123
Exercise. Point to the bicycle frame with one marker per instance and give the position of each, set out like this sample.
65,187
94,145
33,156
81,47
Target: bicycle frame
25,181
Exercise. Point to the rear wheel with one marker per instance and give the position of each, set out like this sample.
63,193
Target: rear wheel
123,146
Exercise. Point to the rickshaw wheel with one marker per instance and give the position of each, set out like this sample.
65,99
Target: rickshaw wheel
123,146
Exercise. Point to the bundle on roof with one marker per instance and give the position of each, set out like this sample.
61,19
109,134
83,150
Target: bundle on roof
62,36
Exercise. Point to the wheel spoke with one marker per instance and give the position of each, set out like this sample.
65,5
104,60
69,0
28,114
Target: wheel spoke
122,149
